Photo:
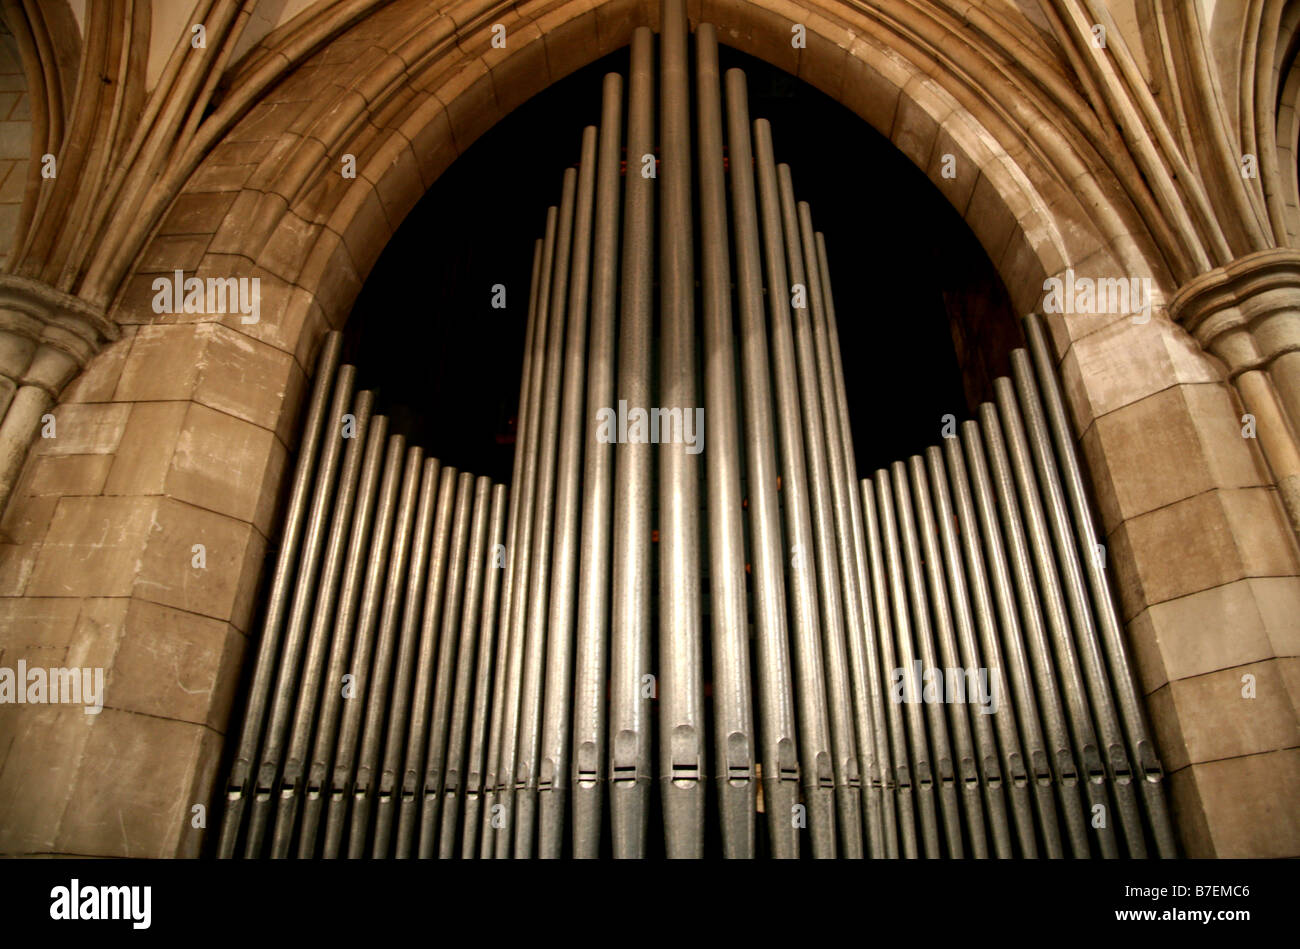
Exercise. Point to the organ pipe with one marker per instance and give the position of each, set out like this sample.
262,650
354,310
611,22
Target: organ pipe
690,628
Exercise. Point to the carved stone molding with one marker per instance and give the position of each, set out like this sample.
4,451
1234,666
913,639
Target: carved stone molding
47,336
1248,312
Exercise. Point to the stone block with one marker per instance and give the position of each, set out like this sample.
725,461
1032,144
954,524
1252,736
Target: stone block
197,212
1219,628
166,253
164,363
244,377
132,787
225,464
61,475
99,379
1208,717
85,428
225,587
41,748
1124,362
1198,543
1249,805
1168,446
175,665
93,547
1278,601
144,456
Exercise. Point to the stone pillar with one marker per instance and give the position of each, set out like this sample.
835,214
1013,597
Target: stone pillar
1248,315
46,338
134,544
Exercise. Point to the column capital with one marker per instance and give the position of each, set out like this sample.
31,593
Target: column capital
47,336
1247,312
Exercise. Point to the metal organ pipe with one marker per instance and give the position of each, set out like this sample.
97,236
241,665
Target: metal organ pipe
925,663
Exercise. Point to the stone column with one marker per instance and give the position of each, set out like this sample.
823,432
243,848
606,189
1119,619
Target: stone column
1248,315
46,338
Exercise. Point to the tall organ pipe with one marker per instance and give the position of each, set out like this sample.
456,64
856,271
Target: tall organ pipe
296,630
520,817
923,770
1066,660
496,813
378,692
268,647
629,703
993,775
923,641
819,766
733,714
779,746
1066,767
1115,757
591,650
443,686
681,685
345,753
966,774
1019,676
906,797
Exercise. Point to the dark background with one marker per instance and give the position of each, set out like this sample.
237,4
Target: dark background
905,269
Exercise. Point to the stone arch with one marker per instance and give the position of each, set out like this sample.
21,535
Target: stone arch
406,113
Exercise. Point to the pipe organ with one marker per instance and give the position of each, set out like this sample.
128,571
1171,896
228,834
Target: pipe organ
687,625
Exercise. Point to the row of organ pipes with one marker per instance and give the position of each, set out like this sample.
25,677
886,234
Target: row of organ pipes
451,669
